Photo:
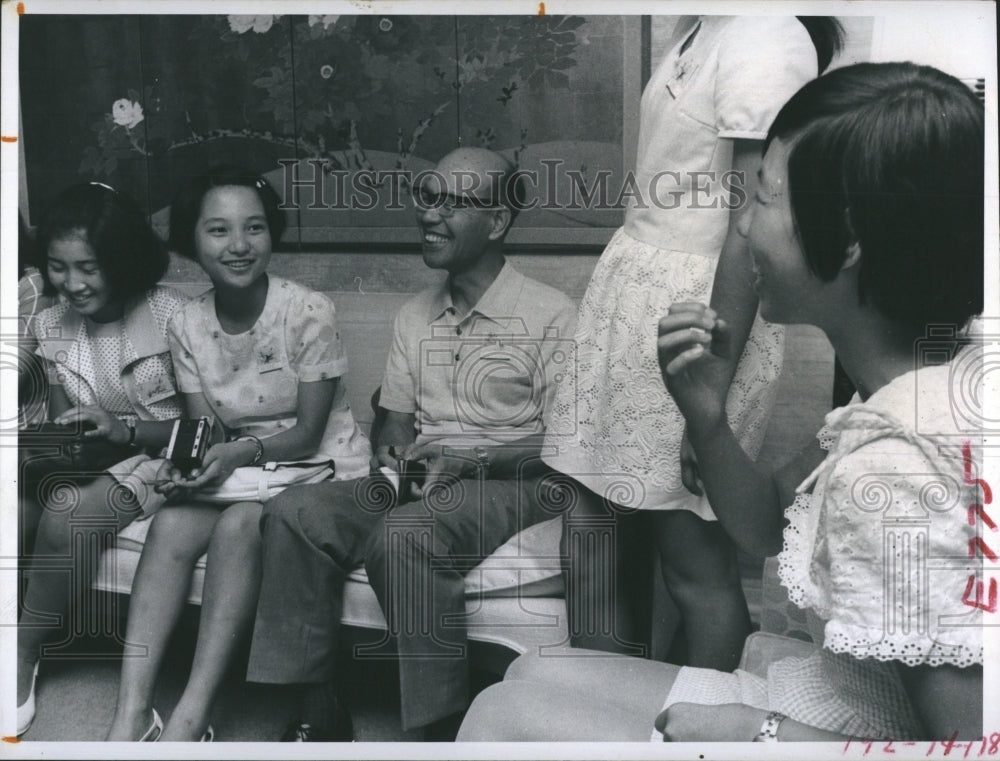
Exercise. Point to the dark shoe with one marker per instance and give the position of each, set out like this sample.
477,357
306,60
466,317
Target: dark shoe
444,730
341,729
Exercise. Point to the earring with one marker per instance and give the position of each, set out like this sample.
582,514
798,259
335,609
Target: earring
853,253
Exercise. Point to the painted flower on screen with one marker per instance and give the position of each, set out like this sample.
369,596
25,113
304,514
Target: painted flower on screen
126,113
385,33
243,24
326,21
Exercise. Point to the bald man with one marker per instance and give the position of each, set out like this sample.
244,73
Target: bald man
469,376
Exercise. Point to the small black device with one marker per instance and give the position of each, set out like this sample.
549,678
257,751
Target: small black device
188,443
410,472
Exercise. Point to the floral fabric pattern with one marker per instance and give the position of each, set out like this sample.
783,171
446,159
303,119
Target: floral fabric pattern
251,379
613,421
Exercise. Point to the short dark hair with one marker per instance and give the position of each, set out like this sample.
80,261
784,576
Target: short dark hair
131,256
186,208
890,156
827,35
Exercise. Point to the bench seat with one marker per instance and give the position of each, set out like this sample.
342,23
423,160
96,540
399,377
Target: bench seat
515,596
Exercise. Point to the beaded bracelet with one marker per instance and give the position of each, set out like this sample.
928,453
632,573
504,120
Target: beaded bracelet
259,455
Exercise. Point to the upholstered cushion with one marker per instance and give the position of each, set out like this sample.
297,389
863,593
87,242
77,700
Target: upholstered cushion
761,649
778,614
527,565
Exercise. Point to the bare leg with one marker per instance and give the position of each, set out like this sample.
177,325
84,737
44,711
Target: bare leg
30,515
29,504
608,589
232,582
571,695
177,538
701,572
104,503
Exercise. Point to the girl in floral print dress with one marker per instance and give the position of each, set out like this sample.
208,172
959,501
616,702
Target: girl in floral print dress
263,356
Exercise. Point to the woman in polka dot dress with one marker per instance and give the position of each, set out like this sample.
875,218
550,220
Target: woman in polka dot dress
263,356
104,348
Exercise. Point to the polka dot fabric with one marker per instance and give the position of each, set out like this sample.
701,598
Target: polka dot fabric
101,364
107,341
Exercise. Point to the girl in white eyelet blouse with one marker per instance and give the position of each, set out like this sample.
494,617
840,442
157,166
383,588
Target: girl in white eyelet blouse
880,542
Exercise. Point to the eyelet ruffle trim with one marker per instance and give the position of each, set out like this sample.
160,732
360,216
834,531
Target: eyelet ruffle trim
914,649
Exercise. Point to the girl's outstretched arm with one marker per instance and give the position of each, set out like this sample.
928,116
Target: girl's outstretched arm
949,700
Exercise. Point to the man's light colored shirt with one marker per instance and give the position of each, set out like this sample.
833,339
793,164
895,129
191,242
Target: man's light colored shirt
486,377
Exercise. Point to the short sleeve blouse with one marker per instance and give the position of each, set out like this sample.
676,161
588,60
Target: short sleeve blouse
135,347
729,82
880,548
251,379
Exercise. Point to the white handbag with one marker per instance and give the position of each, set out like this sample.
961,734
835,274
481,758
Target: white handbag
261,482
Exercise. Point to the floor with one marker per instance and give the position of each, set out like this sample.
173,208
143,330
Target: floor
76,696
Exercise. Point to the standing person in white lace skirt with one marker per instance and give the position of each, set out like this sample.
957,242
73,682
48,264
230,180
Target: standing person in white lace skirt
614,428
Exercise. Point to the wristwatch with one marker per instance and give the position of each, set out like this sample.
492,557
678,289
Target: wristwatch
769,729
483,458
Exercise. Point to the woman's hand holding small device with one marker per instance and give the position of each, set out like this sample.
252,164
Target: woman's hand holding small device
219,463
383,457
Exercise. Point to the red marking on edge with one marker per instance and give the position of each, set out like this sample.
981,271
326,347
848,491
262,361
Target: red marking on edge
986,596
541,9
20,12
13,740
975,511
977,544
9,138
967,467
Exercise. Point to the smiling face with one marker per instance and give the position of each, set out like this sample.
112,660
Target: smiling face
75,273
457,242
787,288
231,237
